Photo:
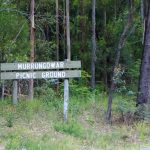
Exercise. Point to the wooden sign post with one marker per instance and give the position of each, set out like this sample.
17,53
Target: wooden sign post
66,82
66,99
15,92
41,70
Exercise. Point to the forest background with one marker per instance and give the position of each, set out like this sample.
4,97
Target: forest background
118,40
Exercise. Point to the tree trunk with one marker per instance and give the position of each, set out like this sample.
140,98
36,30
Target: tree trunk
32,41
64,31
144,83
93,59
115,9
68,30
83,34
143,18
57,35
142,10
57,30
105,18
118,51
105,58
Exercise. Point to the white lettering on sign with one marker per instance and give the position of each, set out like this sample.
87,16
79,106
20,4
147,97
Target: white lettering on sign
52,74
25,75
44,65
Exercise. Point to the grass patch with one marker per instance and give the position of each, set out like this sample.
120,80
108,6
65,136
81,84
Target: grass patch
72,128
38,125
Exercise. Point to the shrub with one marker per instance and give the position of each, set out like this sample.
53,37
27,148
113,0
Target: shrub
10,119
143,112
126,107
71,128
45,93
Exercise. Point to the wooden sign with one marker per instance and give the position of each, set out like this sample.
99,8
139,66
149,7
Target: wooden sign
41,74
41,65
41,70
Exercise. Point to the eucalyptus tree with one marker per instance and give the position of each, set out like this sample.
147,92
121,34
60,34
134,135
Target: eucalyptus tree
57,30
32,44
57,34
93,56
144,83
120,46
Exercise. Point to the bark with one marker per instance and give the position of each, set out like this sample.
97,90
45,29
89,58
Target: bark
57,35
115,9
64,31
93,59
83,26
105,18
15,92
3,90
68,30
105,58
32,42
142,10
118,51
57,30
144,83
143,18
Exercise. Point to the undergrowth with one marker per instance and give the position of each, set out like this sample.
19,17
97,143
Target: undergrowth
38,124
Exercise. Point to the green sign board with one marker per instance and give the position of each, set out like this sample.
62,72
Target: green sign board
41,74
41,65
10,71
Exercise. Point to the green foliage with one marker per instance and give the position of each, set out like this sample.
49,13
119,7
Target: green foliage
14,31
84,105
16,141
143,112
127,109
23,143
45,92
75,107
79,88
71,128
36,126
10,119
35,105
14,37
134,71
29,109
8,112
45,50
81,91
120,83
142,130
